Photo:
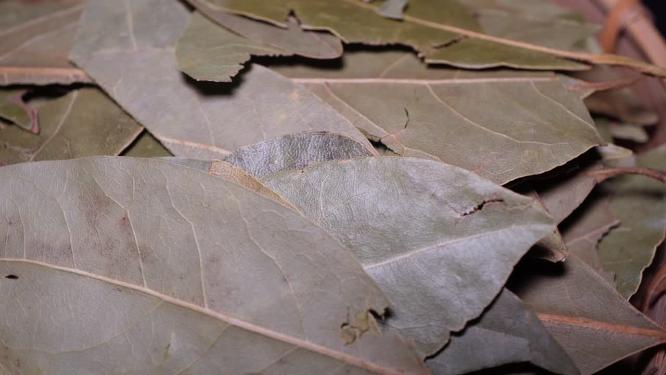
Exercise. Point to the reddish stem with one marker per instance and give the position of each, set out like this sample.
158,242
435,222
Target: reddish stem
604,174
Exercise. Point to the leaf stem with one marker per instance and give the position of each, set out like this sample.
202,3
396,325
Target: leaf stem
604,174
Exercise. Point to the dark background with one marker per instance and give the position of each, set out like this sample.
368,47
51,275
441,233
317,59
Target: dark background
658,8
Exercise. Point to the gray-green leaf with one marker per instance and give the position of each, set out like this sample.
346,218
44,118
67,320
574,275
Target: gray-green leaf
640,206
84,122
294,151
142,266
432,28
137,67
420,229
593,323
506,333
35,38
525,125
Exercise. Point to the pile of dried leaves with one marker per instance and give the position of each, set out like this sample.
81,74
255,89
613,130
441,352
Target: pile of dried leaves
319,186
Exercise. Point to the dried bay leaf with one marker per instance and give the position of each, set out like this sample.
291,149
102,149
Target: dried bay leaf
593,323
137,67
531,127
388,64
640,206
506,333
442,33
208,52
294,151
35,37
538,9
194,269
562,191
84,122
621,104
421,28
536,22
419,228
587,226
526,125
311,44
231,173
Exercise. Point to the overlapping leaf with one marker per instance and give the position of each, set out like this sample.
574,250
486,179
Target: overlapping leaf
587,227
501,126
275,239
213,53
593,323
133,63
185,270
536,22
442,33
506,333
640,206
35,37
419,228
621,104
82,123
208,52
294,151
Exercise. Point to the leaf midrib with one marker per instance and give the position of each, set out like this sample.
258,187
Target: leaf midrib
581,322
422,81
607,59
236,322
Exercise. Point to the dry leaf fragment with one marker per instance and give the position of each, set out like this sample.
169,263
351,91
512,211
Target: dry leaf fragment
191,121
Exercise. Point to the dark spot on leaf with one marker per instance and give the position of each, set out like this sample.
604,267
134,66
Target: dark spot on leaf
406,118
480,206
450,42
11,277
